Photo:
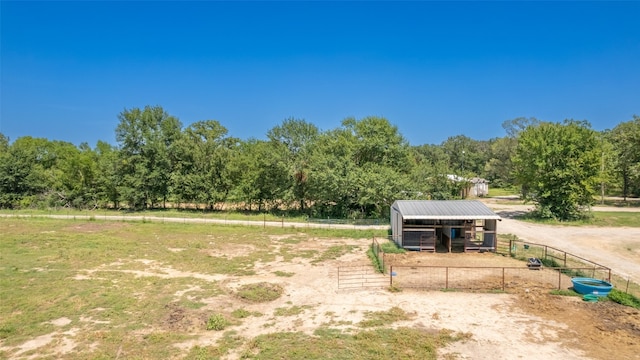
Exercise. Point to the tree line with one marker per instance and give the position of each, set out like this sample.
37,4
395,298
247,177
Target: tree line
353,171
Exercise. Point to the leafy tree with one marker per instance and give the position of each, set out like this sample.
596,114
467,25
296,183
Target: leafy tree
72,175
4,143
292,141
203,157
607,176
466,156
428,178
22,175
146,139
499,167
262,177
108,179
359,169
514,127
557,166
378,141
333,175
625,138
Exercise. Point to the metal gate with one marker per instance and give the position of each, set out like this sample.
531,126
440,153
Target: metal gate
360,276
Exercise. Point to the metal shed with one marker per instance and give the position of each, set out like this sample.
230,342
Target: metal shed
449,225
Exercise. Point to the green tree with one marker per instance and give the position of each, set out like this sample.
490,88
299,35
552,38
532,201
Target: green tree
558,166
4,143
333,175
22,172
429,175
108,177
262,176
467,157
203,161
499,167
72,175
625,139
146,139
358,170
292,141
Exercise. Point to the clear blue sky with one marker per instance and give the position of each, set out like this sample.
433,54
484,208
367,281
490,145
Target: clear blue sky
433,69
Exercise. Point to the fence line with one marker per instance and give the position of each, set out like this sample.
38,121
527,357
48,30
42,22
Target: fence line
376,249
484,278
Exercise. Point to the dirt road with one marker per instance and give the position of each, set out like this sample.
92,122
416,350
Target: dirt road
615,247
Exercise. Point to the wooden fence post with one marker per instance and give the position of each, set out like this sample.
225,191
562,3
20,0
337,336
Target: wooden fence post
391,276
446,281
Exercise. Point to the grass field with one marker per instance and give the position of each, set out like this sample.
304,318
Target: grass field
493,192
598,218
102,290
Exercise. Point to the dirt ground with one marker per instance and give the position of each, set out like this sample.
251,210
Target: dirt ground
525,323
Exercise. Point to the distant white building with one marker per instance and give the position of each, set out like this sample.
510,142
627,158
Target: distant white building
479,187
476,187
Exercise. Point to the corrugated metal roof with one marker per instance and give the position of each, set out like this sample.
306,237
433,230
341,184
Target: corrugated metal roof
444,209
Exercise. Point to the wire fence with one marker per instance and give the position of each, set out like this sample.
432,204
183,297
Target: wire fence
552,257
329,221
468,278
556,270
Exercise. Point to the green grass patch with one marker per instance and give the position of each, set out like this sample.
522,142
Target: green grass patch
383,318
375,260
624,298
327,343
595,218
334,252
290,311
493,192
283,273
217,322
230,341
260,292
564,292
242,313
390,247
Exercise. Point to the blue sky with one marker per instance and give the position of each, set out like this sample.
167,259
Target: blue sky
434,69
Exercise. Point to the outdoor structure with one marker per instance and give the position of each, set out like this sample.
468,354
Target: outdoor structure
444,225
474,187
479,187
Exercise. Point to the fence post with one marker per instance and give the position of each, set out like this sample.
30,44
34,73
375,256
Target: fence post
503,286
391,276
560,278
565,259
446,278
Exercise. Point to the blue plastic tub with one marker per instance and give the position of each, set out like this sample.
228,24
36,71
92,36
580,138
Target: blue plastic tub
591,286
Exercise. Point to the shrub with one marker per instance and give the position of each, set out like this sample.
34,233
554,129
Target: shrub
217,322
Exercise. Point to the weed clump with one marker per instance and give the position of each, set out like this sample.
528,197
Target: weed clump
260,292
217,322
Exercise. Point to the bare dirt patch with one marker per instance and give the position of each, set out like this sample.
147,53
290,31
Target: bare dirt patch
525,322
